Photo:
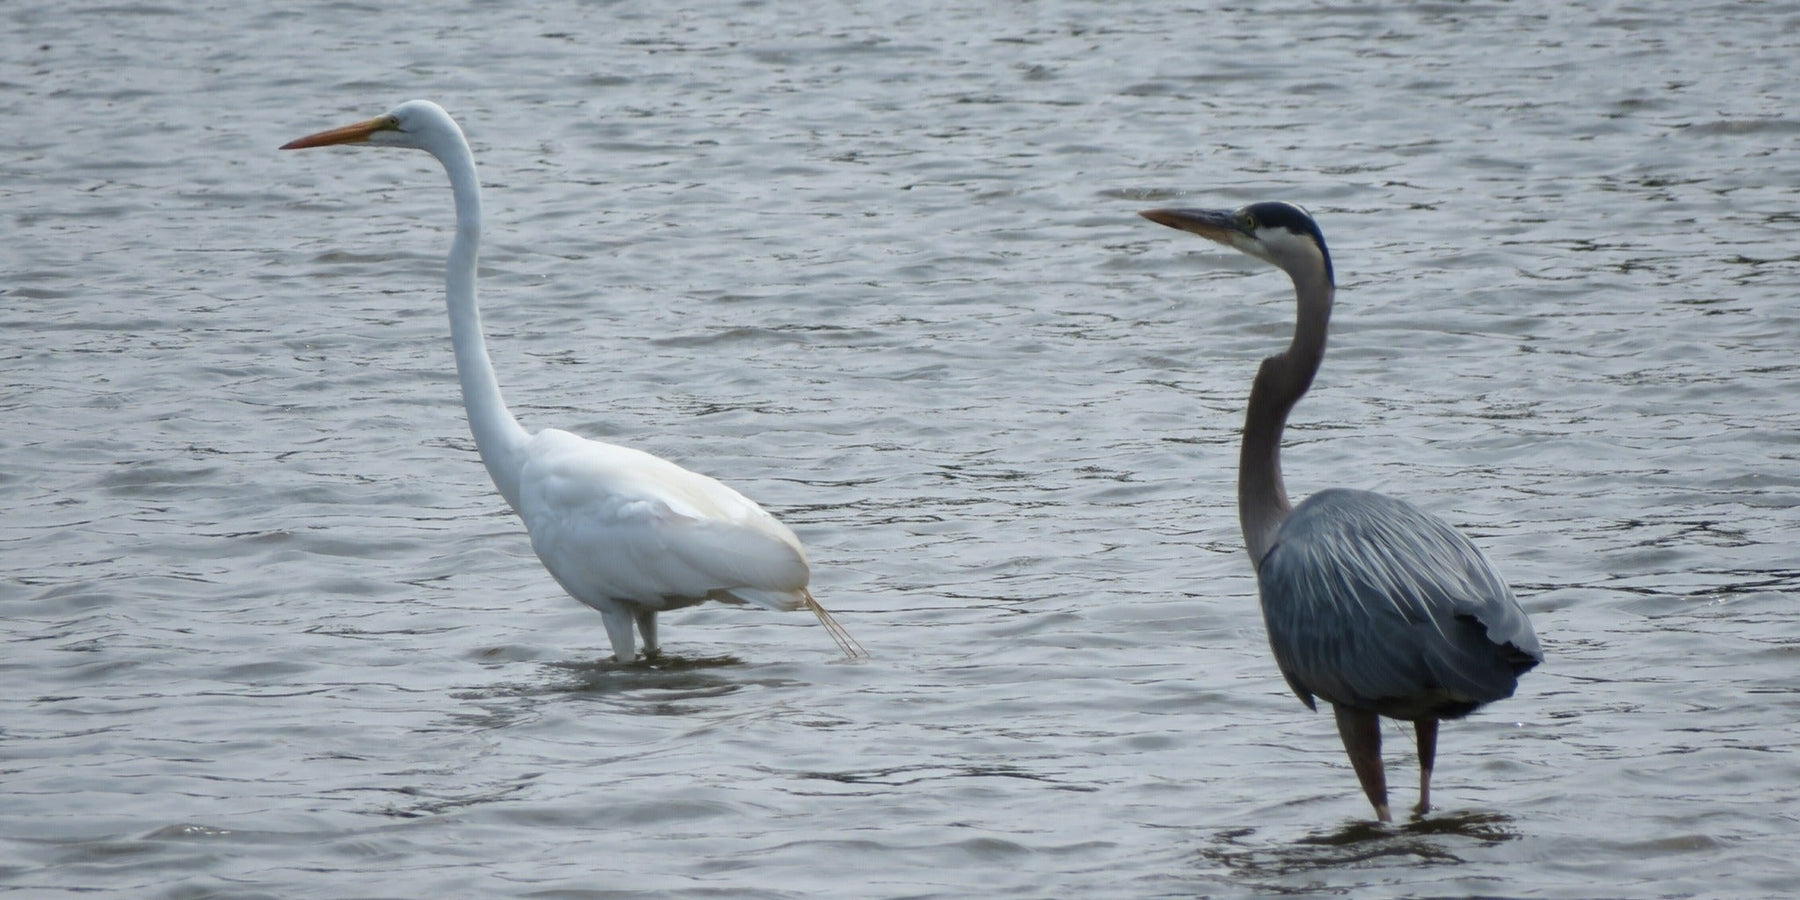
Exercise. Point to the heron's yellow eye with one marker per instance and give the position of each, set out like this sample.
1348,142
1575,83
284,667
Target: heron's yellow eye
1246,222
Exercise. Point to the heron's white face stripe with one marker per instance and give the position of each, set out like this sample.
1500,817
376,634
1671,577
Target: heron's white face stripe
1285,249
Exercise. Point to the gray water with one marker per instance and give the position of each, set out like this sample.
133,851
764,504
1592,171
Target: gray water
270,632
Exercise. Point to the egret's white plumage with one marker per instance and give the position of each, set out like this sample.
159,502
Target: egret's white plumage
625,532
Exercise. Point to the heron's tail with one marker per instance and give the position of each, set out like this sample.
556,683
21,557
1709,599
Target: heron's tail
845,642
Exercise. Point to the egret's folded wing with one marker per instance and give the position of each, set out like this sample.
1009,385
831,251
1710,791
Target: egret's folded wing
615,522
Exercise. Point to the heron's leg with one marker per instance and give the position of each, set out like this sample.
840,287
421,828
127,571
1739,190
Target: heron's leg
618,630
1427,729
1361,732
646,623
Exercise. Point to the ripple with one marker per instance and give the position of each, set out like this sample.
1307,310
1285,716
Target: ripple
268,625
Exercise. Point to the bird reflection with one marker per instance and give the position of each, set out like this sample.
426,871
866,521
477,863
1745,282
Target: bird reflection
1437,840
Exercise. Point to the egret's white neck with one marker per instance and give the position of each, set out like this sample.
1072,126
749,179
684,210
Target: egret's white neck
498,436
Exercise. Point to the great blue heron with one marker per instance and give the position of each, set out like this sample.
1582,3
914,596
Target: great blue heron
624,532
1371,603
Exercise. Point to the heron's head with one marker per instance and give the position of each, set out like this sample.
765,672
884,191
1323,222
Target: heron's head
417,124
1276,232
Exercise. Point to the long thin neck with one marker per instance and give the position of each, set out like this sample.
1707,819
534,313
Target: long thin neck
1280,383
498,436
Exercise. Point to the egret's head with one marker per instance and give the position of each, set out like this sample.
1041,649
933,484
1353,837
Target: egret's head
1276,232
419,124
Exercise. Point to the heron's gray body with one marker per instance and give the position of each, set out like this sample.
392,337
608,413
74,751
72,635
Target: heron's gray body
1372,604
1375,604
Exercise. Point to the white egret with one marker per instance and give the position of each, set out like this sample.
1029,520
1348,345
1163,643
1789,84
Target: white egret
625,532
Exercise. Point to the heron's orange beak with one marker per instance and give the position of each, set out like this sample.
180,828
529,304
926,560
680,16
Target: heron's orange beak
349,134
1212,224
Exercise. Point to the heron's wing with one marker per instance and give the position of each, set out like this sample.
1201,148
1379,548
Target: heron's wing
1374,603
614,523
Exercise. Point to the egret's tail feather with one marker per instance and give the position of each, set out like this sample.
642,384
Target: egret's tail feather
845,642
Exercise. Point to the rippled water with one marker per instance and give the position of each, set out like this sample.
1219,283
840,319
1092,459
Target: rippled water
270,632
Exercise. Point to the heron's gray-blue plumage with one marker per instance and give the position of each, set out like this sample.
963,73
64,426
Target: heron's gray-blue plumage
1373,603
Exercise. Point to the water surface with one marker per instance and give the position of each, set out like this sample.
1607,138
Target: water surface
270,632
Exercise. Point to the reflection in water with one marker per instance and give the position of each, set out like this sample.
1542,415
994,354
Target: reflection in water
880,263
414,801
670,685
655,688
1435,840
648,685
915,774
663,662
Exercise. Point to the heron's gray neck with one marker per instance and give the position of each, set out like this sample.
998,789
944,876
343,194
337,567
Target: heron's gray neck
1280,383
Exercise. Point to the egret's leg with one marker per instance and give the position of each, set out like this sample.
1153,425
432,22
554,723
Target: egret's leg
1361,732
618,629
646,623
1427,729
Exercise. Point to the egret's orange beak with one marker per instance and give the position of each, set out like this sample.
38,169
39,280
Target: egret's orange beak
349,134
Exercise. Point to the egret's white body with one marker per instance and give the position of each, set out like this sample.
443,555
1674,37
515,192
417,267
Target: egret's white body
625,532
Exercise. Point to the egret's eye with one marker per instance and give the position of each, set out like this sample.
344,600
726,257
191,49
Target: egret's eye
1246,222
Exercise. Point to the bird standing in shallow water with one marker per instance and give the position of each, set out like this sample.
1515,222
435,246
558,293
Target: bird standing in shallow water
625,532
1371,603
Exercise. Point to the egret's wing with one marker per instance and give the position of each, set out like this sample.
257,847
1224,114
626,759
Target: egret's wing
1372,602
611,522
744,559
